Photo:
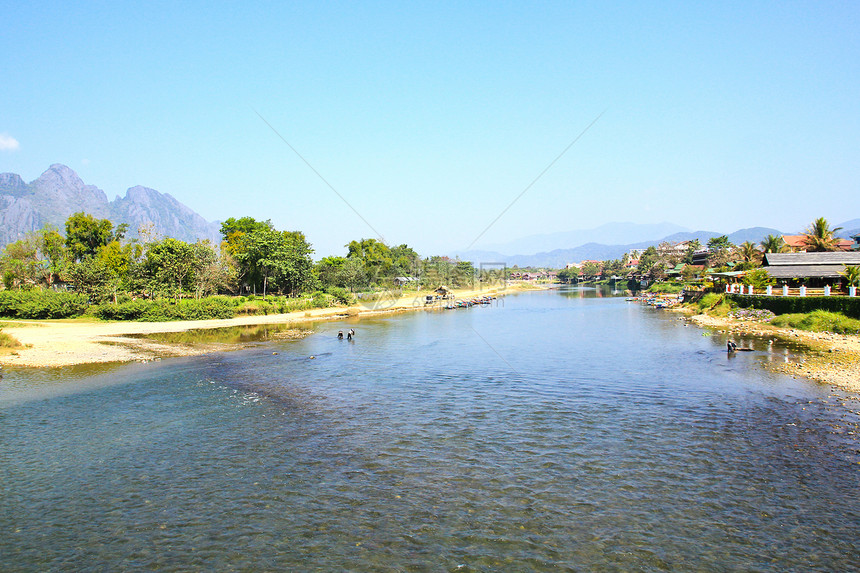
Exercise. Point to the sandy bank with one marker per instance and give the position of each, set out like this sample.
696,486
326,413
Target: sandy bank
830,358
56,343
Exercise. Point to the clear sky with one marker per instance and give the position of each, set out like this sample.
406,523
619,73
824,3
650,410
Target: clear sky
430,118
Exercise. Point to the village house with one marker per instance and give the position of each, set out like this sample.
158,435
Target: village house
797,243
810,269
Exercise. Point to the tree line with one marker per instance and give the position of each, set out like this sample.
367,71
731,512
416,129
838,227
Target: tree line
94,256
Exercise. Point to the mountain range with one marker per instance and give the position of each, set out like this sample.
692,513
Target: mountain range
59,192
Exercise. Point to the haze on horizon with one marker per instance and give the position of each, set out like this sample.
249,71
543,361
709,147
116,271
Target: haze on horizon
429,121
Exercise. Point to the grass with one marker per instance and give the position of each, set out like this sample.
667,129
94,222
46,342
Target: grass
7,341
715,305
665,288
819,321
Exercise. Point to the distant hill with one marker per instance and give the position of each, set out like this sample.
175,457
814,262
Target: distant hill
558,258
59,192
849,228
610,233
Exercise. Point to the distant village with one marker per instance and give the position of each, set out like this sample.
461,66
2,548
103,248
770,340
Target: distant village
814,259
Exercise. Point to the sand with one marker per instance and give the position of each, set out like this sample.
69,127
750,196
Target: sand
48,343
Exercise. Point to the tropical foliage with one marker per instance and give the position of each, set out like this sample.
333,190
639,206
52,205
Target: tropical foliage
819,237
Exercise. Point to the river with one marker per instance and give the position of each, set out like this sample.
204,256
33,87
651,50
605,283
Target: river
550,431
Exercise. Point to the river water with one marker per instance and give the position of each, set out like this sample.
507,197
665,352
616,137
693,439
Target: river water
550,431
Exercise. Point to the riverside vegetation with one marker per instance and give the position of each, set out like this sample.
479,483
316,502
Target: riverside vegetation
257,269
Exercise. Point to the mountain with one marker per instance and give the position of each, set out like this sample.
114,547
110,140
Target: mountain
849,228
610,233
558,258
59,192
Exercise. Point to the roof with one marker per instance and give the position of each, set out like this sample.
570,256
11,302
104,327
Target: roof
839,258
799,242
805,271
795,241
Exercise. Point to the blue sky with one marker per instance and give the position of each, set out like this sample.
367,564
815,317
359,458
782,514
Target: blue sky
430,118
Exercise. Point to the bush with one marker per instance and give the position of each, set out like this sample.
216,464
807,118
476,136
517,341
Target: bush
42,304
819,321
341,295
665,288
7,341
162,310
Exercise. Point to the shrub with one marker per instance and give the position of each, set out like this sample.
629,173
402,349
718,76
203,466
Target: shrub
162,310
341,295
42,304
667,288
819,321
7,341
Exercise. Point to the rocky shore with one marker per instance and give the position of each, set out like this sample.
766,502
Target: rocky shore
829,358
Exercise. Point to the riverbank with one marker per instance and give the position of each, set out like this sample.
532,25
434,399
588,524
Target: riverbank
829,358
50,343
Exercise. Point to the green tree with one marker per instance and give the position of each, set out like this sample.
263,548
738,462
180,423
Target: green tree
92,277
590,270
852,275
720,251
375,256
85,235
749,253
52,247
773,244
233,229
819,237
211,273
758,278
692,247
20,263
170,263
647,260
281,257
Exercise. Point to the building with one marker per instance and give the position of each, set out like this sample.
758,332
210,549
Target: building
797,243
812,269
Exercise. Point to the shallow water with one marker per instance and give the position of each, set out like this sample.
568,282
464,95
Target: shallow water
547,432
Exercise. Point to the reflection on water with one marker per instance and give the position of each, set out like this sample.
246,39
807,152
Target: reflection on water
231,334
551,433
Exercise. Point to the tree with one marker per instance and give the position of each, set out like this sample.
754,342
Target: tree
282,257
647,260
852,275
85,235
692,247
758,278
590,270
773,244
720,249
92,277
749,253
20,263
210,273
376,257
53,250
170,263
233,229
819,237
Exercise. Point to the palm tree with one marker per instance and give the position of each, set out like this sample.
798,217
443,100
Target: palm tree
852,275
749,253
819,237
773,244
